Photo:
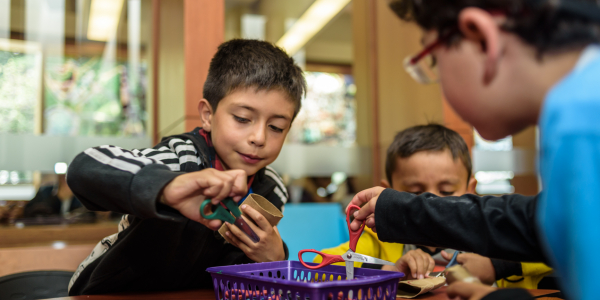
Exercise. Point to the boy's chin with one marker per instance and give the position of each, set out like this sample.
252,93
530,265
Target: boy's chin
250,170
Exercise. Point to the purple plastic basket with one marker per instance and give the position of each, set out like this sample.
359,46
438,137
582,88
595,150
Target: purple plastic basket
290,280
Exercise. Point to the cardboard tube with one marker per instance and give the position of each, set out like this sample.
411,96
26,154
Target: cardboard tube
263,206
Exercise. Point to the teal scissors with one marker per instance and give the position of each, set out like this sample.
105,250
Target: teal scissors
223,212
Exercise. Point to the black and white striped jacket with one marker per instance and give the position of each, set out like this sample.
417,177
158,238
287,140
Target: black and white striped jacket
156,248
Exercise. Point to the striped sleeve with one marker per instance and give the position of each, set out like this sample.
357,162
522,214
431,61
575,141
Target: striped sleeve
280,188
130,182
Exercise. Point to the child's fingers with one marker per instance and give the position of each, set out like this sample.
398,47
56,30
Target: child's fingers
420,266
361,215
234,240
412,265
223,185
214,224
365,196
242,237
431,265
446,255
214,186
239,187
260,220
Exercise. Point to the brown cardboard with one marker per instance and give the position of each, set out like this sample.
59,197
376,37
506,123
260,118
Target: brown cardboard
412,288
263,206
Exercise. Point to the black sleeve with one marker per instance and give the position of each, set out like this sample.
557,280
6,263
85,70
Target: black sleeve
110,178
506,268
512,294
496,227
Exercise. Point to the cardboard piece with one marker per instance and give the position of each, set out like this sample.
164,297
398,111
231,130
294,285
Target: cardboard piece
263,206
412,288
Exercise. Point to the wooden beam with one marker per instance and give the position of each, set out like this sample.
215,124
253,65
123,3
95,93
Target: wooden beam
155,69
204,31
374,91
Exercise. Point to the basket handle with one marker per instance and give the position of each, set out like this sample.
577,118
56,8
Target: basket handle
328,259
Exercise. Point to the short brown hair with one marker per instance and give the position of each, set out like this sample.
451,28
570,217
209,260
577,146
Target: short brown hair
255,64
431,137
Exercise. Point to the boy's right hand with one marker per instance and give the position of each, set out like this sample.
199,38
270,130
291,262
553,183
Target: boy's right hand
186,192
367,212
415,264
479,266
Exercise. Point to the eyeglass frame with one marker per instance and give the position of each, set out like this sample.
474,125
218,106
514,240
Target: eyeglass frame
414,59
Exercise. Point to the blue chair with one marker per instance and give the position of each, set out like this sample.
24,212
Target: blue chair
312,226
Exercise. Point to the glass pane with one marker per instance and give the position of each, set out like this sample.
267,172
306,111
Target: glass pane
86,77
73,74
18,93
328,114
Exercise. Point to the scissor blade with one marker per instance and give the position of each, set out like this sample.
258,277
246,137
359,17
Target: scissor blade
368,259
349,270
243,226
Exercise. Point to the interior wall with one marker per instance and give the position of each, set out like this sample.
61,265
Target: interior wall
171,69
527,183
362,69
402,101
204,32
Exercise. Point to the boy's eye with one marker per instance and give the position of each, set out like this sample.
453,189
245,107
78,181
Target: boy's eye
445,193
241,120
432,61
276,129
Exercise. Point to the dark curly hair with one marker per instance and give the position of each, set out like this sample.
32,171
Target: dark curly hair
548,25
255,64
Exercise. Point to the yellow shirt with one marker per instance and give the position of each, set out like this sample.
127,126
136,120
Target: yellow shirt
369,244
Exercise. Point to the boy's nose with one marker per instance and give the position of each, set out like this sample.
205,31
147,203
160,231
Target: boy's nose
258,136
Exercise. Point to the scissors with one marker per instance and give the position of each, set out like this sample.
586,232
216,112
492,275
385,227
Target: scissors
223,212
451,263
350,256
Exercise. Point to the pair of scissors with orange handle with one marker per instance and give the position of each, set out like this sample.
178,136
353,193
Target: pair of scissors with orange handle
350,256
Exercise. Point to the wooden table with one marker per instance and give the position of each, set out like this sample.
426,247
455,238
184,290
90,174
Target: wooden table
439,294
43,235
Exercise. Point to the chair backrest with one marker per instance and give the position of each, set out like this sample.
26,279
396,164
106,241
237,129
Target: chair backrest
35,285
312,226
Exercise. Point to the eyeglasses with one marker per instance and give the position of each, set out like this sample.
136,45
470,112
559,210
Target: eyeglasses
421,67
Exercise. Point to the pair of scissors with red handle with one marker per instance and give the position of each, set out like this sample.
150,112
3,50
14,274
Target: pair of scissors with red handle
350,256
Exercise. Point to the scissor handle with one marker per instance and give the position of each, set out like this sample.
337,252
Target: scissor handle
219,212
354,235
327,259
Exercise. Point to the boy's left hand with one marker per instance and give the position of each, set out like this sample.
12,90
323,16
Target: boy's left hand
270,246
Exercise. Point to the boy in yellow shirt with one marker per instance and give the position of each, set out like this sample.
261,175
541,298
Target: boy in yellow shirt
435,159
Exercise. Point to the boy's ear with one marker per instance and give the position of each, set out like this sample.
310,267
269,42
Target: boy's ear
480,26
206,112
385,184
472,185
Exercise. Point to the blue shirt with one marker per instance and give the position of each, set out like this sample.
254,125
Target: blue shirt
569,207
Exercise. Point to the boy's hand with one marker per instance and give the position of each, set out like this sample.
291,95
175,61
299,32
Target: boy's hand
367,212
416,264
479,266
270,246
186,192
469,291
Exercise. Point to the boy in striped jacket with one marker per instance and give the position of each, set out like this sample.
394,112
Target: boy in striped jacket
251,96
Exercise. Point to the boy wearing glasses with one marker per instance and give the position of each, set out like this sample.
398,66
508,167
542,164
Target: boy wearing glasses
505,65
